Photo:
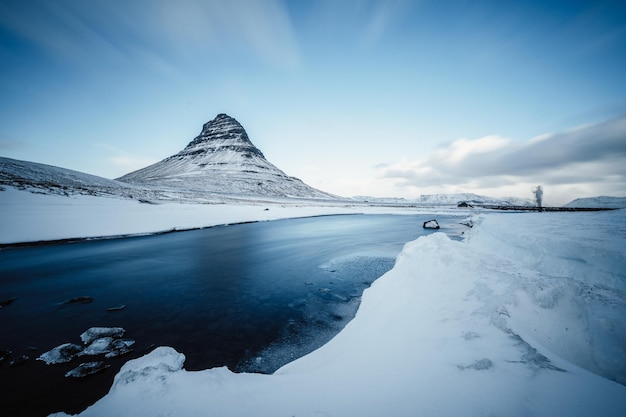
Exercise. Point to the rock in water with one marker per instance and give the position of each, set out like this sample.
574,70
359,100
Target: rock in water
431,224
94,333
85,369
222,159
61,354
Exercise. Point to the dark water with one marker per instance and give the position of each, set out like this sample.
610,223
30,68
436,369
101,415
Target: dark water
251,297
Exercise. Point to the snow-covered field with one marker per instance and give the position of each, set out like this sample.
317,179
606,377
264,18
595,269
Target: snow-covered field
525,317
29,217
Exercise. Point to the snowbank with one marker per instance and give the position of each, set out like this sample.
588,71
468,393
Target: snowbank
520,319
31,217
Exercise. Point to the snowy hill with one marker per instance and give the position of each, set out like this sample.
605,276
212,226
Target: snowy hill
598,202
222,160
48,179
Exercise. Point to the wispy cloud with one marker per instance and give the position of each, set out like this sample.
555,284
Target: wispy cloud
589,154
129,163
383,16
157,32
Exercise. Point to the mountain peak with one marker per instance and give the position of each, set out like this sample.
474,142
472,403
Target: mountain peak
222,159
221,119
222,131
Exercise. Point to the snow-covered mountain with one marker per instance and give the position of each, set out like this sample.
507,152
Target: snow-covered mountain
222,160
598,202
448,200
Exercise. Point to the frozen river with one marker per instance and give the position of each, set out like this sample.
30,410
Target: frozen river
251,297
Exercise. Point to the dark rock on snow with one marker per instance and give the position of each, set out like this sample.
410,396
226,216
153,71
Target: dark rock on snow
431,224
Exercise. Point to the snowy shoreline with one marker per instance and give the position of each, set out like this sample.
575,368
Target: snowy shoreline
524,317
30,218
154,233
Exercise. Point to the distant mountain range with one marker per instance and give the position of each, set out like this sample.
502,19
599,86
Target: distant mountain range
450,200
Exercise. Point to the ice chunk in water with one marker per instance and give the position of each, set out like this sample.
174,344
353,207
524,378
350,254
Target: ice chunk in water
98,347
85,369
109,346
120,347
61,354
94,333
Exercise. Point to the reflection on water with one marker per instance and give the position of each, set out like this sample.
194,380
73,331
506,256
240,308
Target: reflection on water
251,297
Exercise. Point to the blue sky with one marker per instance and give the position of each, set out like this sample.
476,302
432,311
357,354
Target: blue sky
383,98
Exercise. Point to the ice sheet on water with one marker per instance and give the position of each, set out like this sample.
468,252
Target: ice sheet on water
323,313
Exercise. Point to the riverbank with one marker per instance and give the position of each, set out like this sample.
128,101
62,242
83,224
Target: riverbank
28,218
522,318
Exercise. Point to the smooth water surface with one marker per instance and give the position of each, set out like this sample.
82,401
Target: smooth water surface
251,297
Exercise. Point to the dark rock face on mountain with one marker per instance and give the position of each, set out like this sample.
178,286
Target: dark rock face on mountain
222,160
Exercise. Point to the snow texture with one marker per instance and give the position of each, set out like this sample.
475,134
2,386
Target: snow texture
522,318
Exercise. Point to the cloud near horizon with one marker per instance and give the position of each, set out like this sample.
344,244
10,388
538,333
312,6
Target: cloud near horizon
593,154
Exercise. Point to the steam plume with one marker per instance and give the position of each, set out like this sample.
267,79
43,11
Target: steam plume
538,195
